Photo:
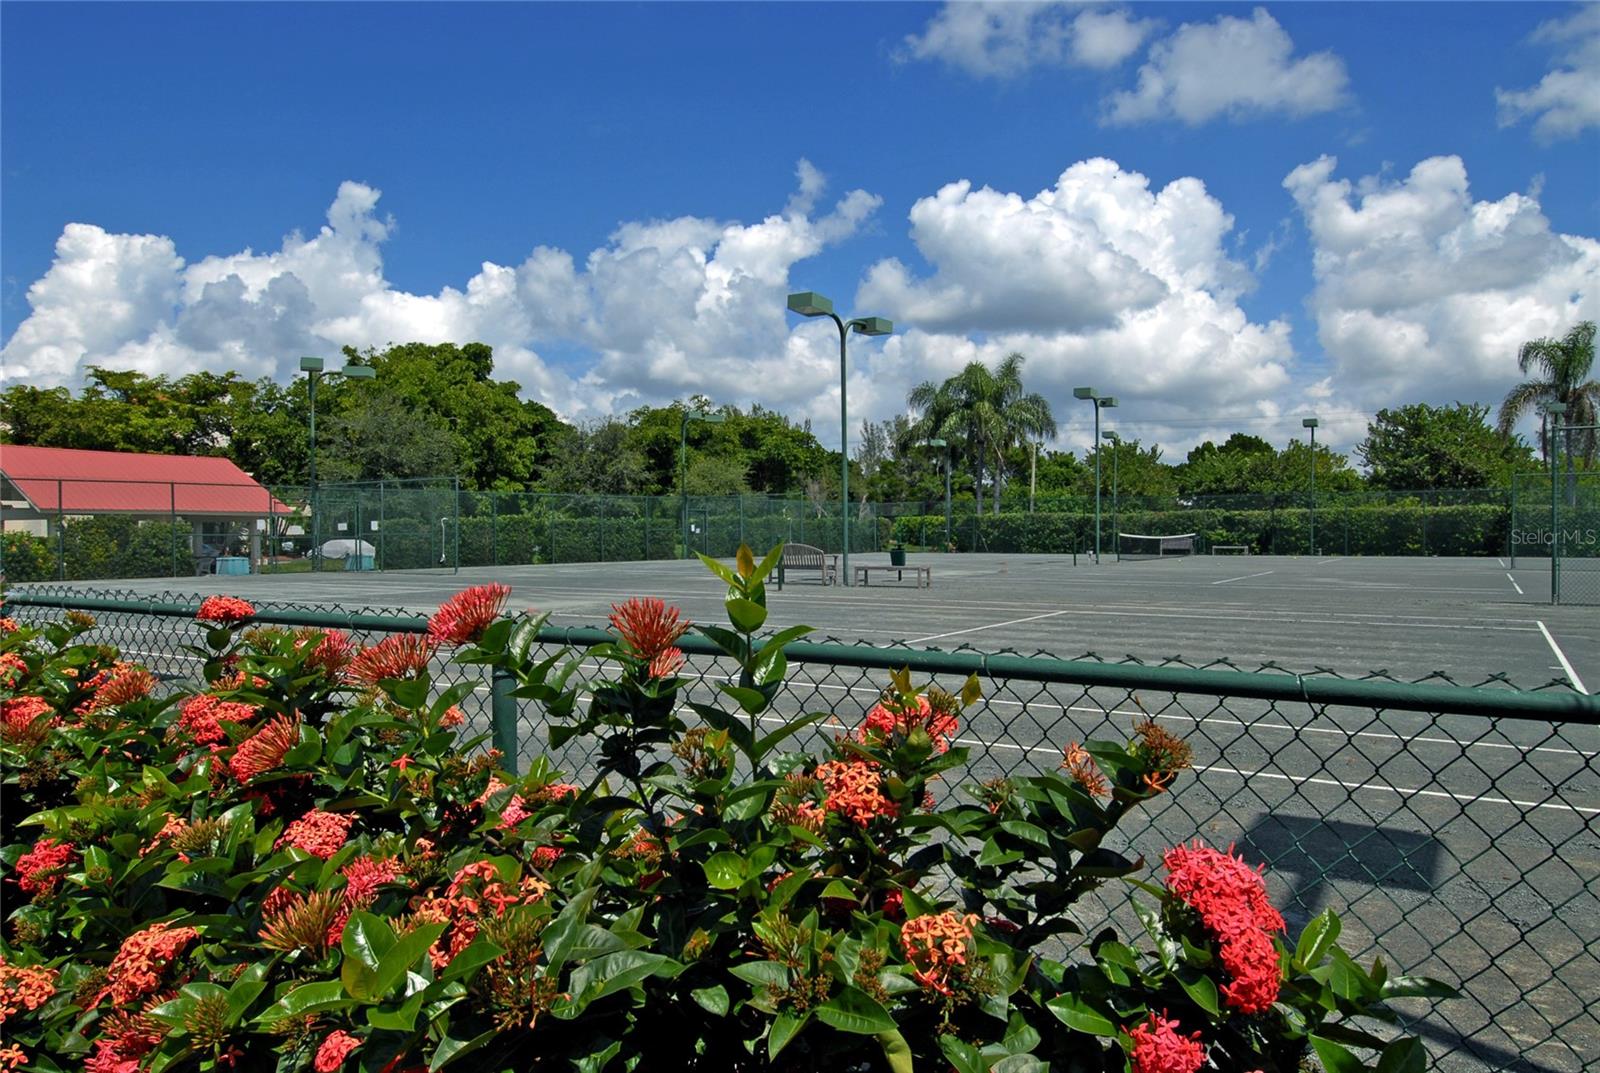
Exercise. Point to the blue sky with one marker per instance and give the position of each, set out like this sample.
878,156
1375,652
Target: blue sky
617,197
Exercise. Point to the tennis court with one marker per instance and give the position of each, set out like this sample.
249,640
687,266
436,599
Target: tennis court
1468,619
1460,845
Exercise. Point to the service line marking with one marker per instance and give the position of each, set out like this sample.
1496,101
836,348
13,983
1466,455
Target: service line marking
1514,584
1561,658
991,626
1335,559
1243,577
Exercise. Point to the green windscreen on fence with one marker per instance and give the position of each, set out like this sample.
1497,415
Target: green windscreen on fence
1559,514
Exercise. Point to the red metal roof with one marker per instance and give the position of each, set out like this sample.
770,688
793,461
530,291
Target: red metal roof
117,482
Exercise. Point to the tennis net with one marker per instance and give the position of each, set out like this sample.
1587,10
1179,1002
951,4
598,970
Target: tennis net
1146,546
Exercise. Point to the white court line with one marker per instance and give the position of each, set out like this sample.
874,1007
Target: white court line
1502,563
1335,559
1243,577
991,626
1561,657
1514,584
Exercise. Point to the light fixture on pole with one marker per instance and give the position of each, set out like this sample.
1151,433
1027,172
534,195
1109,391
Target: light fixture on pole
313,368
1100,402
1311,423
946,446
1116,449
811,304
683,464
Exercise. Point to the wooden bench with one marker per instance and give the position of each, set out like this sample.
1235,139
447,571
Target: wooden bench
806,557
922,574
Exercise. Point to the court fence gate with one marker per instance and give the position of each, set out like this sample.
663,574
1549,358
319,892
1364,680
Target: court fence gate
1456,828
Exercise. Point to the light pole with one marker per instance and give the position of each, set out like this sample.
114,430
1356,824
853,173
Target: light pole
1555,411
1311,423
811,304
683,463
1100,402
946,446
1116,511
312,367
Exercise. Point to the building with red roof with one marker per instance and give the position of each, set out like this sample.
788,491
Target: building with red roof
42,488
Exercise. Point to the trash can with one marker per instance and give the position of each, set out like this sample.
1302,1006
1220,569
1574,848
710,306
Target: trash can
233,564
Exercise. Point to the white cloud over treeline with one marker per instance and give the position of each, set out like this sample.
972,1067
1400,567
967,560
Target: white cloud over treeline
1420,293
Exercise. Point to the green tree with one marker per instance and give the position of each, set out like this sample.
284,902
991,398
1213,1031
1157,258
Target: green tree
1563,366
1422,446
987,411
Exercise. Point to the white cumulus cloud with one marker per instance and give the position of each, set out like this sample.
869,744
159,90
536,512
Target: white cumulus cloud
1566,101
1099,280
1230,67
1424,293
666,307
1006,39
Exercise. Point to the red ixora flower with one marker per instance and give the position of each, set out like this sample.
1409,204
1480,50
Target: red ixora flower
39,870
265,749
203,714
400,655
647,625
1230,898
224,610
331,651
1157,1047
13,668
127,684
462,619
884,721
668,662
319,833
20,713
334,1049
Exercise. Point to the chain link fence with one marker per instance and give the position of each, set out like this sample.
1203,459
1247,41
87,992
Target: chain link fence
1456,828
1556,523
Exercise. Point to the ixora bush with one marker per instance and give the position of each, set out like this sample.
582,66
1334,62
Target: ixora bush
305,866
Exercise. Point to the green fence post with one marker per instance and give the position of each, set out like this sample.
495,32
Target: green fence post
552,534
503,717
602,513
61,536
494,527
1555,518
455,487
381,526
1511,525
172,533
741,523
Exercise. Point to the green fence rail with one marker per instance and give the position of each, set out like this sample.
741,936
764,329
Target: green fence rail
1456,828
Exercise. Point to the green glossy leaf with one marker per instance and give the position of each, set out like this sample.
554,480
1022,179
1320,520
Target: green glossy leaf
1077,1014
1318,936
1335,1057
762,974
962,1055
896,1052
1020,1063
1403,1056
1201,989
1417,987
746,615
753,701
712,999
721,570
725,870
785,1026
853,1010
310,998
405,953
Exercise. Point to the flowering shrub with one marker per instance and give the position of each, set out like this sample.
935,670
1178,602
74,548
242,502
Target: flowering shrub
303,863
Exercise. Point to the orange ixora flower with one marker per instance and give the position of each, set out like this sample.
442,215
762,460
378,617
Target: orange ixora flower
264,750
400,655
137,968
1082,769
13,668
647,626
202,715
24,988
937,944
667,663
462,619
885,721
18,715
854,789
224,610
127,684
331,651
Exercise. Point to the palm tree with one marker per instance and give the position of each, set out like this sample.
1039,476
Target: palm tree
986,410
1562,364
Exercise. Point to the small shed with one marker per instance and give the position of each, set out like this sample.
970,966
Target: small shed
224,510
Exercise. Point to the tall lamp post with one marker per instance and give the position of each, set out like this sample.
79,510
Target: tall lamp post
811,304
1556,410
1116,510
312,367
1101,402
1311,423
946,446
683,463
